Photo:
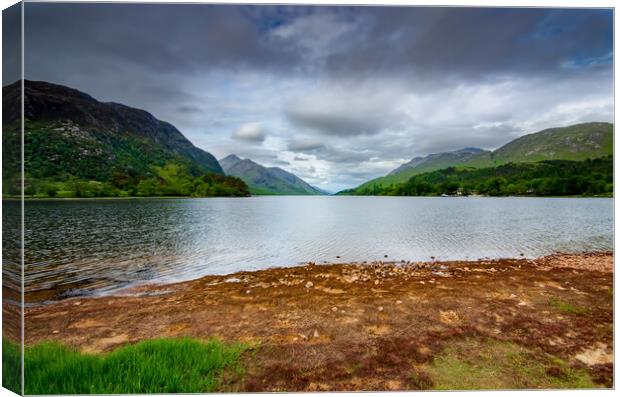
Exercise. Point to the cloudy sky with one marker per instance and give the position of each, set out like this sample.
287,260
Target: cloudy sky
337,95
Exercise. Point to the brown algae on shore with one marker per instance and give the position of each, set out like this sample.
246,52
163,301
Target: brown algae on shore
516,323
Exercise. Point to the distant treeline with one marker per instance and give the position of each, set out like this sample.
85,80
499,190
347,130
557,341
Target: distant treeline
546,178
170,180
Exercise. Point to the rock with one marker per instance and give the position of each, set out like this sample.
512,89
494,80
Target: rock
399,302
77,303
334,309
309,284
376,282
232,280
248,291
380,308
55,331
316,333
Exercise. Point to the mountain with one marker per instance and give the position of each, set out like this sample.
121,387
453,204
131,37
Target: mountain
70,138
112,132
266,180
576,142
442,160
431,162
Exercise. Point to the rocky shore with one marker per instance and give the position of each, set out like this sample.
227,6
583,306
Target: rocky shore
374,326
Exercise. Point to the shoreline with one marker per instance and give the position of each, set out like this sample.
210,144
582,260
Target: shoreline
15,198
155,284
388,319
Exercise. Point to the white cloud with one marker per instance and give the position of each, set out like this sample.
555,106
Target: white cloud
252,132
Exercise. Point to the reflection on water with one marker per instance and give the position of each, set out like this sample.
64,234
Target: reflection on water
95,246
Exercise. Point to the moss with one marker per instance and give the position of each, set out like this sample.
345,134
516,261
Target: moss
488,364
566,307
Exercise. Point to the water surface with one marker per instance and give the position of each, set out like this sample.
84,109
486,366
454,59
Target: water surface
86,246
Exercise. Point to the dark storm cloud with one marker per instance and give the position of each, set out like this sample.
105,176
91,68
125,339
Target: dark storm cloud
442,43
161,38
345,93
413,41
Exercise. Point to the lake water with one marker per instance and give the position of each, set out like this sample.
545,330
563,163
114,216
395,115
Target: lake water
98,246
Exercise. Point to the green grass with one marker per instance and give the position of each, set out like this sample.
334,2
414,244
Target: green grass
153,366
568,308
11,366
487,364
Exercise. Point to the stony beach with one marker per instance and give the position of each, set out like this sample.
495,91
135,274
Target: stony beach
371,326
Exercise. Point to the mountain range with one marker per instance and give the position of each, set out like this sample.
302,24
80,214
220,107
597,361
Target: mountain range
576,142
72,138
266,180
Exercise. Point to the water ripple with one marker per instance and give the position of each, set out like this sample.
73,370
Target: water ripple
86,246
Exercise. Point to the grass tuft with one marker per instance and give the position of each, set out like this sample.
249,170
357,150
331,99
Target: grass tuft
11,366
568,308
152,366
472,364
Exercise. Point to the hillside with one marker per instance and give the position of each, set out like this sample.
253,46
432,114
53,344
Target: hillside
576,142
543,178
266,180
78,146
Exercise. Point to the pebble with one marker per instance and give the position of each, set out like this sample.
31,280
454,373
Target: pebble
55,331
380,308
376,282
309,284
334,309
399,302
316,333
247,291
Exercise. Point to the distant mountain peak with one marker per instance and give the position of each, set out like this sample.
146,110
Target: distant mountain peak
231,157
266,180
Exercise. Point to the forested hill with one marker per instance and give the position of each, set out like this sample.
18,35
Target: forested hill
590,177
575,142
78,146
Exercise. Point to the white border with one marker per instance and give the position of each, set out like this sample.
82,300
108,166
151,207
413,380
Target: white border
469,3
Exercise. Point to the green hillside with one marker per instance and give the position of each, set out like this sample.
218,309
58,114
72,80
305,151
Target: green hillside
545,178
576,142
76,146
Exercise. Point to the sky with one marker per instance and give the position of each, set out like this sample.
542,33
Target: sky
336,95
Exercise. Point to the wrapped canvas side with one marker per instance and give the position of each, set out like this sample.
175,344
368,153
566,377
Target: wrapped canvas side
12,202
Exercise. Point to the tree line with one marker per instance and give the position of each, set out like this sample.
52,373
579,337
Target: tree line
590,177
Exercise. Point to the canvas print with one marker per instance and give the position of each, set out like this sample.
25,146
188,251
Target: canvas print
264,198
